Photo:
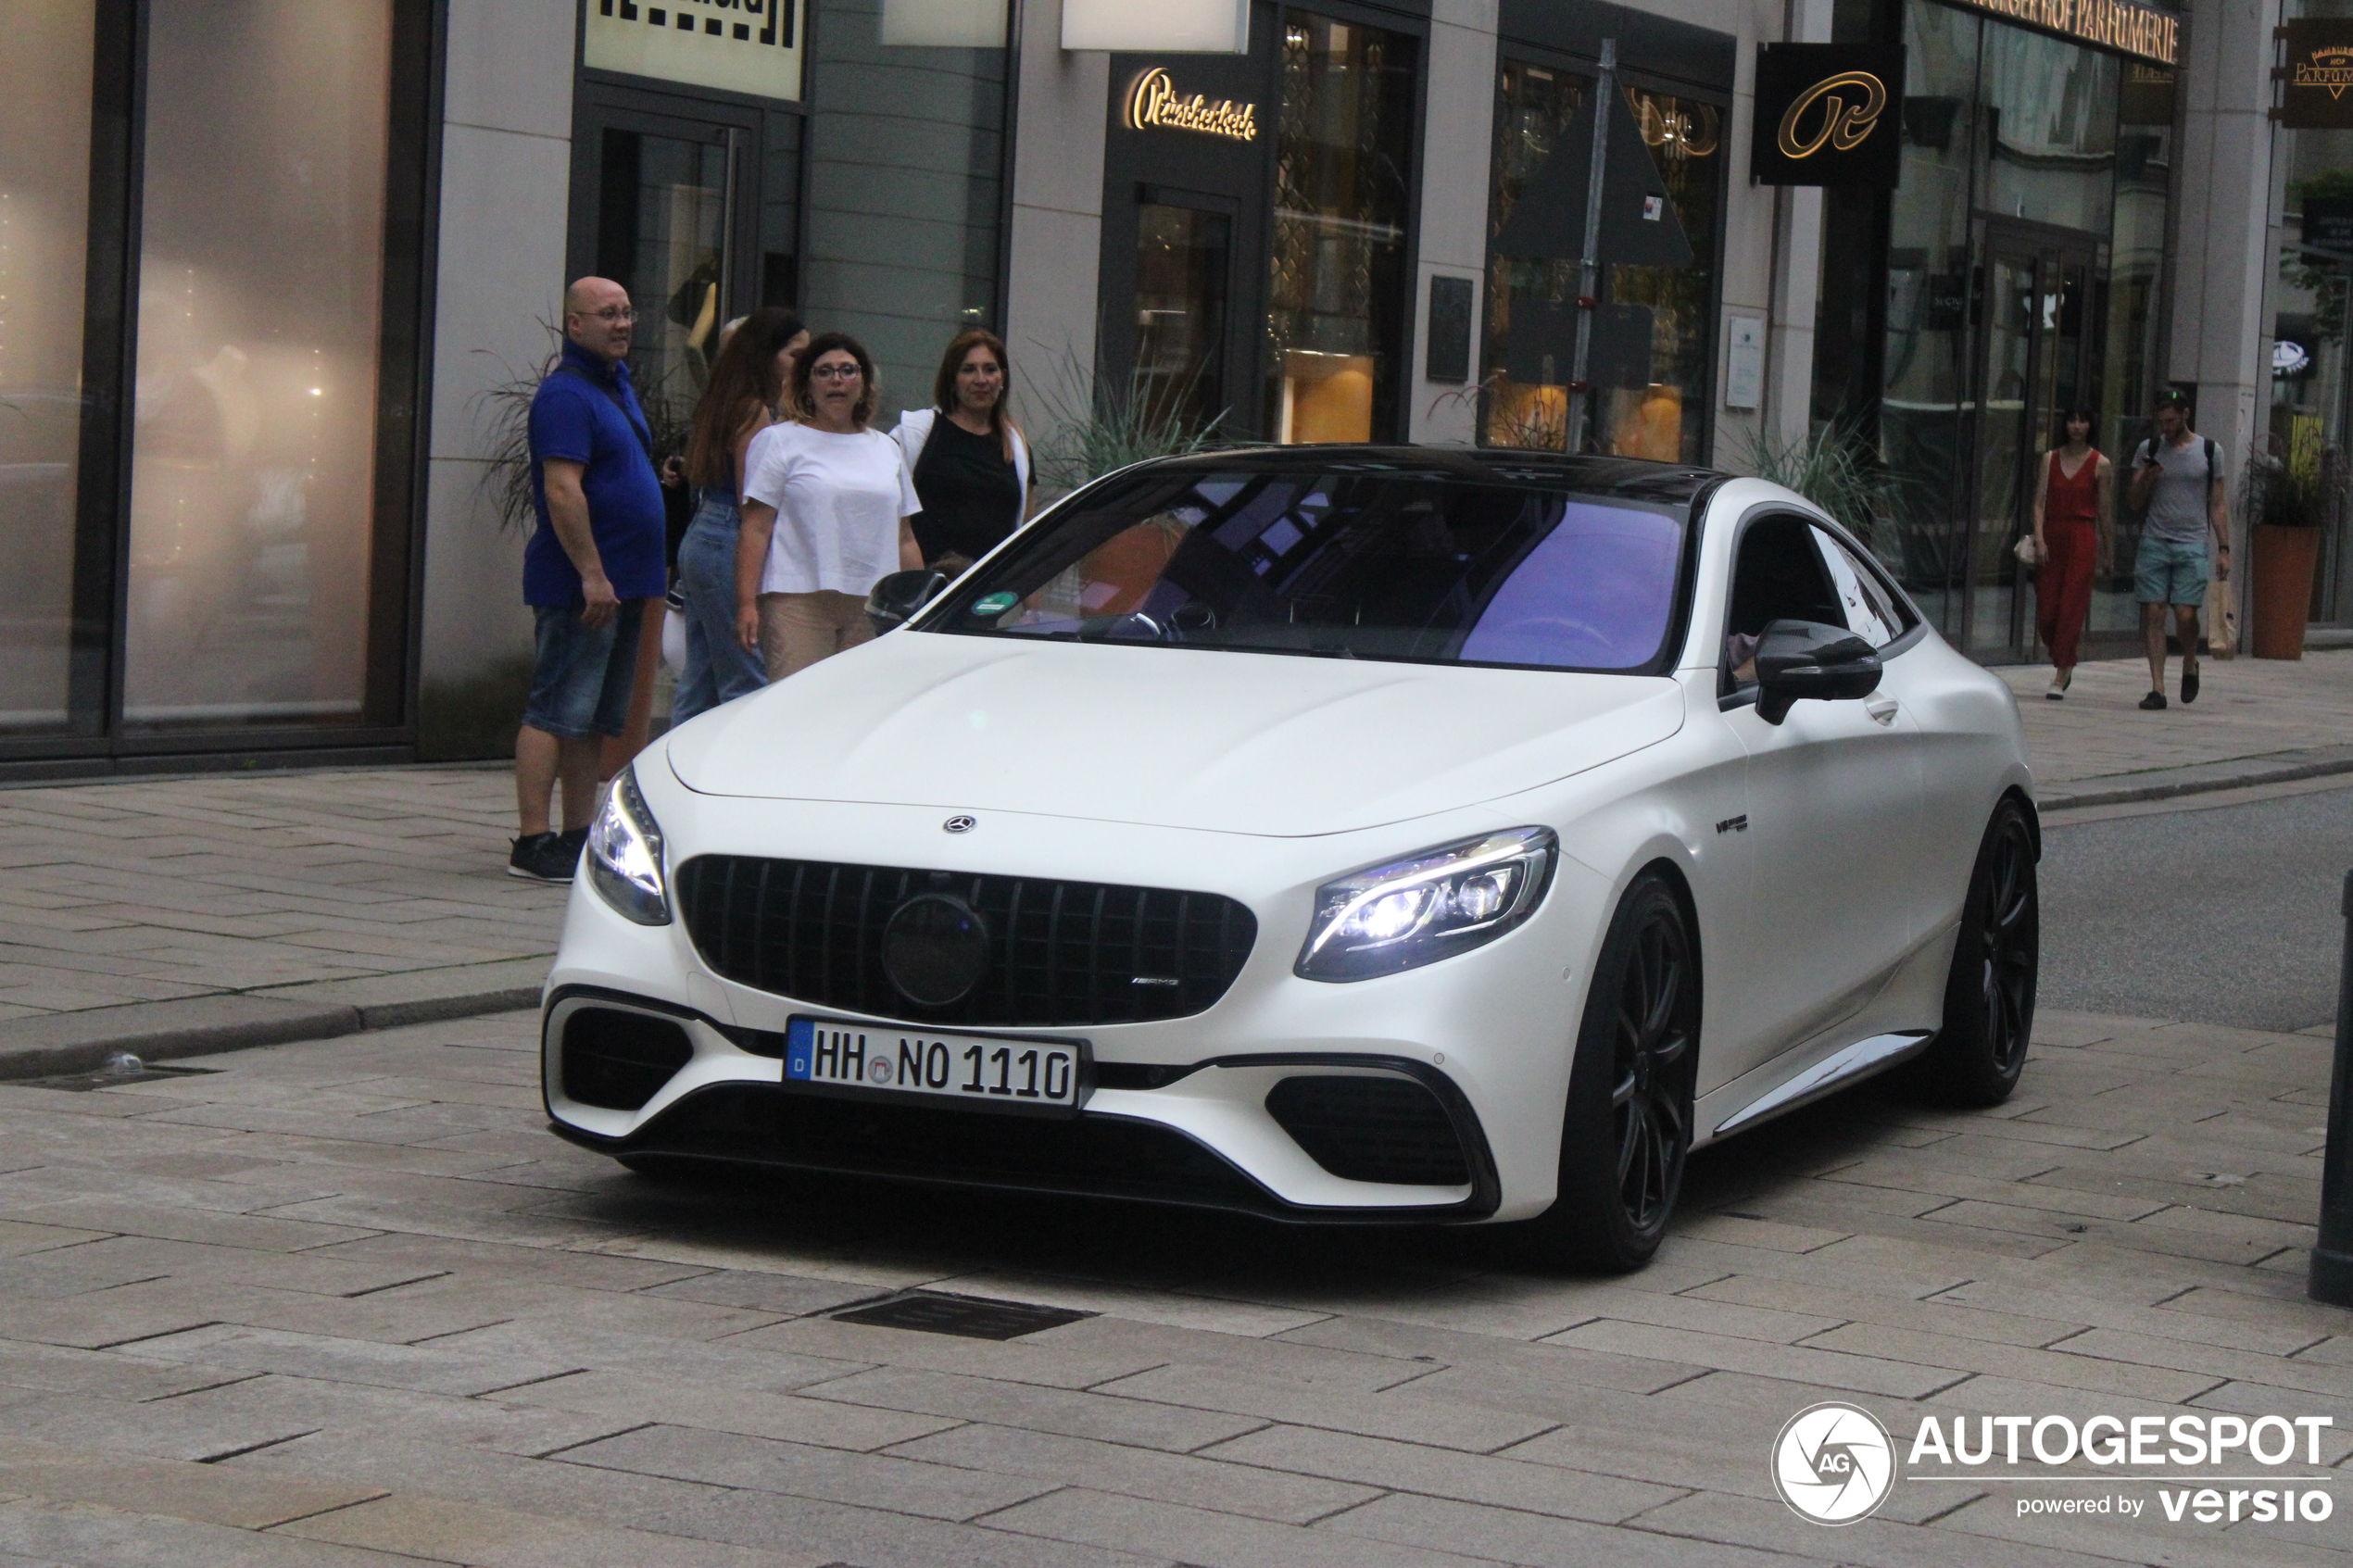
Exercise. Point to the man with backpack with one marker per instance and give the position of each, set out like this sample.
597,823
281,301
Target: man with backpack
589,570
2177,487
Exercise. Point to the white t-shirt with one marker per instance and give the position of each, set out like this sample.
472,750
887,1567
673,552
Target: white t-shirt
838,499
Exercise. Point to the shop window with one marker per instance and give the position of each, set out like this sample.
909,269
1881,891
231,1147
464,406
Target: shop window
45,208
260,309
1180,313
1338,290
1657,407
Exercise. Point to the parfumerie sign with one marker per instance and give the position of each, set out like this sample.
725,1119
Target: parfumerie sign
740,45
2317,76
1153,103
1829,113
2111,24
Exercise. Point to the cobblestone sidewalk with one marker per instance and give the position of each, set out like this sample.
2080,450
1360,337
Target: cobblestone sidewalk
348,1303
366,886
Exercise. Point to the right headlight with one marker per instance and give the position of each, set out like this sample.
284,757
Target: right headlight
1432,905
625,854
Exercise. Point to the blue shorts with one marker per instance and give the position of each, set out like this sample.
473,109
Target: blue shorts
2169,571
580,685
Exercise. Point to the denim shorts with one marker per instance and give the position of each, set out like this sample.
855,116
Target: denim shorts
580,685
2169,571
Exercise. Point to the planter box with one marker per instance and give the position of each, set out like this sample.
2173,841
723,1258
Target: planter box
2282,588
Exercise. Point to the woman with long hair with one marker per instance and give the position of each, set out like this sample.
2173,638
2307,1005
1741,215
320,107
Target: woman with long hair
748,383
2074,528
826,504
970,464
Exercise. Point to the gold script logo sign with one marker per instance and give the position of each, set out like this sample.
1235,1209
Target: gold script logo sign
2330,66
1844,125
1153,103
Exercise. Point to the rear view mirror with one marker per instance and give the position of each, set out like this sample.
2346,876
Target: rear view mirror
899,595
1798,660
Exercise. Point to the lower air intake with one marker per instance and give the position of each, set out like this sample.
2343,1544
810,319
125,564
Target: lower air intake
1368,1129
617,1060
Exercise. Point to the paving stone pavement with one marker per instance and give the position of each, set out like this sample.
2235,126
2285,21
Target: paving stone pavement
2245,708
146,891
349,1302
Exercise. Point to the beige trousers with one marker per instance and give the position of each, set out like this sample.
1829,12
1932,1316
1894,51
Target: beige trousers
796,629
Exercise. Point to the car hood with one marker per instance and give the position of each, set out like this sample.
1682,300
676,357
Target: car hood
1240,742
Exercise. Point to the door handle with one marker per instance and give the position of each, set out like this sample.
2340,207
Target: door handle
1881,708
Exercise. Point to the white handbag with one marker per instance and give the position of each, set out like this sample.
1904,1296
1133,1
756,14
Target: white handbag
2030,555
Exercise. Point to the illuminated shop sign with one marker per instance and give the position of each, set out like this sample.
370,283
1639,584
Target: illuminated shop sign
2318,69
2111,24
1153,103
1827,114
740,45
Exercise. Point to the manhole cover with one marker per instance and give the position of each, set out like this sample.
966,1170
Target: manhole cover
930,1312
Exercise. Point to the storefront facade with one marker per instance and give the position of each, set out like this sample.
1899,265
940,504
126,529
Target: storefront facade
274,277
2016,271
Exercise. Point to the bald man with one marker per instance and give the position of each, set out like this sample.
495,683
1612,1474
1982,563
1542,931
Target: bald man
592,564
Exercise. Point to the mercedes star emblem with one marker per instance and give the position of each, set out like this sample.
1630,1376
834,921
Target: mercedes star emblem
959,823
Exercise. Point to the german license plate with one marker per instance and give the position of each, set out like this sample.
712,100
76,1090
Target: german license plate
981,1071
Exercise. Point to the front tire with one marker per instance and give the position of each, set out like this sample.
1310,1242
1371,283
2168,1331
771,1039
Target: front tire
1629,1123
1989,994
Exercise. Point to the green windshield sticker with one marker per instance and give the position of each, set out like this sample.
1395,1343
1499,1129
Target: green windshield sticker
995,604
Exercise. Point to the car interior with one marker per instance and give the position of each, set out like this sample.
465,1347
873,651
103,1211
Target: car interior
1777,575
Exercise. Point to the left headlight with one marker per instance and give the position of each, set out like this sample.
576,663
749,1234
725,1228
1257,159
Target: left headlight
625,854
1444,900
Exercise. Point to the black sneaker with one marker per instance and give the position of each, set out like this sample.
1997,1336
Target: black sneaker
2189,684
2154,701
543,856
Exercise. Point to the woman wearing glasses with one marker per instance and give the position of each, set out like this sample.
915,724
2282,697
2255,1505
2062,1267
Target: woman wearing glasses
826,504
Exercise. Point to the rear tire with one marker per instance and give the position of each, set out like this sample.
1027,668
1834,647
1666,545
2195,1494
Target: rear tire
1629,1123
1989,996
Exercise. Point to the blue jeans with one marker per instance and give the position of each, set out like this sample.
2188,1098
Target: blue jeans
718,668
583,675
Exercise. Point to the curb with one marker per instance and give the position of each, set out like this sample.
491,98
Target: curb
80,1042
2168,782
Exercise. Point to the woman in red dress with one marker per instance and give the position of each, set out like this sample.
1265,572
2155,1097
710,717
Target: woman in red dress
2072,506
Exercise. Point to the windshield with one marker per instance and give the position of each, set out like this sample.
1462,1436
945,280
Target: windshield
1432,567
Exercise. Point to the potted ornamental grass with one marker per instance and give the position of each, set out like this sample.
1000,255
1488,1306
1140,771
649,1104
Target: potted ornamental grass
2294,490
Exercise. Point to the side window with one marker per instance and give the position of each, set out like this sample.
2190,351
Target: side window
1778,576
1871,611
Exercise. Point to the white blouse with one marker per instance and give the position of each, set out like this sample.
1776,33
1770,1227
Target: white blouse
839,501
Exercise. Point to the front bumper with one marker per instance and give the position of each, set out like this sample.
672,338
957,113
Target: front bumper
1179,1109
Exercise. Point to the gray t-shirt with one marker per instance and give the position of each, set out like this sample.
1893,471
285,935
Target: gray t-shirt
2177,508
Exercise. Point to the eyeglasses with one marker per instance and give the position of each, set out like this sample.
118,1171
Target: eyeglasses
620,316
835,372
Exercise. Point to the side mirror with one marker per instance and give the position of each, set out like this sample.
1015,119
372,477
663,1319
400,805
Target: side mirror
891,601
1796,659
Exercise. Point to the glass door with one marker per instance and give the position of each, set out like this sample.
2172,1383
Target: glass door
2035,359
1183,257
662,230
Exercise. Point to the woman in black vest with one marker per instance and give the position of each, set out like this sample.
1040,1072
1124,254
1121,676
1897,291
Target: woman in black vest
971,465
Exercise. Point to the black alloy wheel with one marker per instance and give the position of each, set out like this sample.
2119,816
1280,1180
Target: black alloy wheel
1989,994
1629,1123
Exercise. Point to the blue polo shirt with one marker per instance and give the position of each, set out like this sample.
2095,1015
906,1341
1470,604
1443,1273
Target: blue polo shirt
588,413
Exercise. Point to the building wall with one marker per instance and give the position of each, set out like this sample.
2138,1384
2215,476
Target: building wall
1062,103
1458,137
2222,338
505,190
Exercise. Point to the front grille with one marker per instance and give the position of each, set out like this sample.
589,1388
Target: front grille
618,1059
1371,1129
1059,952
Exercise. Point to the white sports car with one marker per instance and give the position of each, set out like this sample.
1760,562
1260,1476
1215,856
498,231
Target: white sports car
1329,832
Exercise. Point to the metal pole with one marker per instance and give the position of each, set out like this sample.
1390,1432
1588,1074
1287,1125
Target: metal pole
1581,388
2332,1277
